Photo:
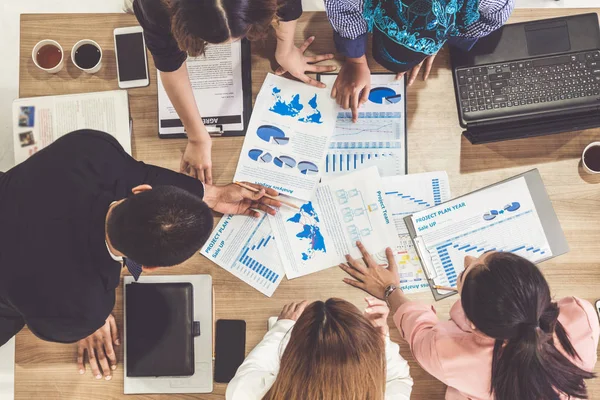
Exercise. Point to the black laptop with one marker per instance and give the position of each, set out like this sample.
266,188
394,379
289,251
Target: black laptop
530,79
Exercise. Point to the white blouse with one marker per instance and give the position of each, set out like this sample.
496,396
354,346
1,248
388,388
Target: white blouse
257,373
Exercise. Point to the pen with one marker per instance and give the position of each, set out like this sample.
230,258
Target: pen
450,289
255,190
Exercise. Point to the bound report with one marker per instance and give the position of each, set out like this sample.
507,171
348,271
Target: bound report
160,329
515,216
39,121
222,86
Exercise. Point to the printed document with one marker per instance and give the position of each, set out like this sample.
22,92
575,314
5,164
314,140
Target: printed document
326,228
245,247
287,137
216,78
500,218
406,195
39,121
378,137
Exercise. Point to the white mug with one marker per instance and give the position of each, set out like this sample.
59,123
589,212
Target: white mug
76,47
38,47
585,166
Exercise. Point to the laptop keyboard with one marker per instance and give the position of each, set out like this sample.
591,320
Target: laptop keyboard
533,84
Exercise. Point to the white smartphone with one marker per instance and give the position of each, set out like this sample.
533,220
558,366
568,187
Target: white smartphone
132,62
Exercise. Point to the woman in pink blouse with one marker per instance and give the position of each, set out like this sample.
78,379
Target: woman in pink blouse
506,338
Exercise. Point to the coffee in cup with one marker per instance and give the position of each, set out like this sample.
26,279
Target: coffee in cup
591,158
87,56
48,56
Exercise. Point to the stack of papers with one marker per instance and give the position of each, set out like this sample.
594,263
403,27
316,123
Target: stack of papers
346,179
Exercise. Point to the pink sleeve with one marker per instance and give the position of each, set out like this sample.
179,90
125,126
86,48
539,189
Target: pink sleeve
416,323
592,318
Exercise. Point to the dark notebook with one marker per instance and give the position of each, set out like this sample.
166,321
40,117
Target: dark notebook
160,329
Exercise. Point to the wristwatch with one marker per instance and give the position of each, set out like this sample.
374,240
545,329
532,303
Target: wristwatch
388,291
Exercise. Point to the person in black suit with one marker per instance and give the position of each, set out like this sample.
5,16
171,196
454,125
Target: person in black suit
73,215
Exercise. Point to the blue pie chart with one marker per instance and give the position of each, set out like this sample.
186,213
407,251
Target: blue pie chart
284,162
514,206
384,95
260,156
268,132
308,168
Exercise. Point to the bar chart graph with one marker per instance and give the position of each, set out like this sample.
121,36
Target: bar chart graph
505,235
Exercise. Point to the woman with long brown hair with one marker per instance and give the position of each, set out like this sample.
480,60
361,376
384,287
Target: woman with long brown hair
175,28
506,338
325,351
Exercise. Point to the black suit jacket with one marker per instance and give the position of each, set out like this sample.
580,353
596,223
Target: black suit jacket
56,274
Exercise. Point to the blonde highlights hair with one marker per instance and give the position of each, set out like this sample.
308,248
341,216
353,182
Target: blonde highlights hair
334,353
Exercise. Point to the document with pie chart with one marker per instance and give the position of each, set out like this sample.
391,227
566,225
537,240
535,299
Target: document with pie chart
287,137
378,138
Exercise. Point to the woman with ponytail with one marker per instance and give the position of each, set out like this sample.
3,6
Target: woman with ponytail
506,338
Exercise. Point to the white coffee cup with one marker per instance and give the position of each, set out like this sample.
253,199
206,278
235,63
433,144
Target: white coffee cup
586,167
95,68
38,47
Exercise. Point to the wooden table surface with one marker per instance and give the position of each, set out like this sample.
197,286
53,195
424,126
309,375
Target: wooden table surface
47,371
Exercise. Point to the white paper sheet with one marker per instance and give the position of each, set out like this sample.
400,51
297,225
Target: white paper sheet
406,195
326,228
7,370
245,247
501,218
216,79
377,138
287,137
39,121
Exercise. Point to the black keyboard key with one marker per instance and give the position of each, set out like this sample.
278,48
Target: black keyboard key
502,105
488,100
596,71
477,79
487,93
551,61
513,67
478,71
472,102
479,93
500,76
469,73
480,102
500,99
597,55
488,107
529,101
498,84
470,80
485,86
528,64
496,105
481,108
464,93
472,95
473,109
478,86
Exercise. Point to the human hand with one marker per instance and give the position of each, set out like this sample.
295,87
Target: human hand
234,199
99,348
371,277
293,311
414,72
196,160
352,85
377,313
292,59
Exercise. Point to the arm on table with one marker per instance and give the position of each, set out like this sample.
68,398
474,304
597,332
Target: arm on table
416,323
197,156
398,381
261,365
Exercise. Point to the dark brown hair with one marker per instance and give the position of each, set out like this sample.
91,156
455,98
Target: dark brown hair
509,300
194,23
334,353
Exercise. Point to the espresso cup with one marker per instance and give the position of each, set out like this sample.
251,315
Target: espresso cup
87,56
48,55
590,158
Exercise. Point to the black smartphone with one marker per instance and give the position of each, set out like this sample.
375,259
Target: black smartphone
230,348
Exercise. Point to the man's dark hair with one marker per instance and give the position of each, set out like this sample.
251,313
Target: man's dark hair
160,227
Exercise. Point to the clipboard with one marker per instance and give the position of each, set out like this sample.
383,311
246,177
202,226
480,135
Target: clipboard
549,221
405,142
215,125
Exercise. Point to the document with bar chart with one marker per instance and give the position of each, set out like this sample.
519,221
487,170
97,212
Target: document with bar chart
499,218
408,194
378,138
245,247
